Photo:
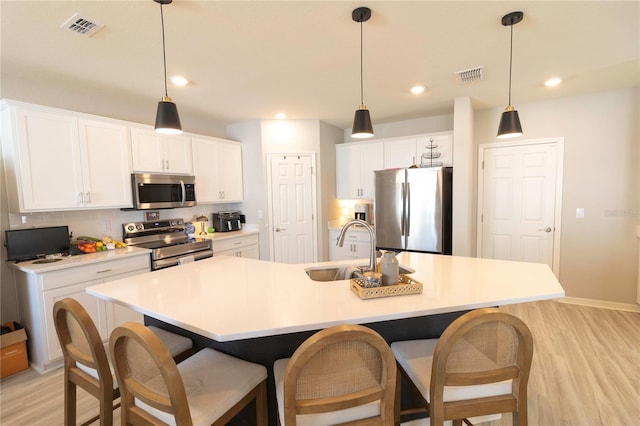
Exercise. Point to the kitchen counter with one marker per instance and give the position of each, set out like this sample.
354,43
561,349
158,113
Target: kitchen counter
228,298
220,236
32,267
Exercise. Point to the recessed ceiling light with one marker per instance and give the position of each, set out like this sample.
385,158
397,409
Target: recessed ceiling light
179,80
281,116
416,90
553,82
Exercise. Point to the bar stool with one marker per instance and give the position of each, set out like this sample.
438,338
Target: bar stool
86,363
344,375
479,366
208,388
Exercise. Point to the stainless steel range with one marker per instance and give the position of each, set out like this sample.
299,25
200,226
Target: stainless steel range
167,241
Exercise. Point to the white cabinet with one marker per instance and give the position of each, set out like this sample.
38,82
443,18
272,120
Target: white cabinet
241,246
436,147
357,245
400,153
355,164
157,153
217,165
63,162
38,292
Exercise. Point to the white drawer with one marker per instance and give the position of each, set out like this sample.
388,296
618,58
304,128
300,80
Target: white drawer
234,243
94,271
353,235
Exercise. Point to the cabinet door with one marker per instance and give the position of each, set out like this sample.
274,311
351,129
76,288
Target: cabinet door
217,166
94,306
177,154
50,173
106,164
230,166
399,153
205,160
250,252
348,171
371,160
147,152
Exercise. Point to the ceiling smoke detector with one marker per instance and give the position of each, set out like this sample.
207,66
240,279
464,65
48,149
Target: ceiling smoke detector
471,75
82,26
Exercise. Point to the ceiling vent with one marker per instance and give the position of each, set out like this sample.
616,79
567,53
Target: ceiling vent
471,75
82,26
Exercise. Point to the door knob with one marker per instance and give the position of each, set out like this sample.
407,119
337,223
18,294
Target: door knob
278,229
547,229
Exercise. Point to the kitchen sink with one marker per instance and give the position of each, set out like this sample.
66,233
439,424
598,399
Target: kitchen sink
337,273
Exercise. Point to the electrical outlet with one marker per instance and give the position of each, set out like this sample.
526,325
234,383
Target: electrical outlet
580,213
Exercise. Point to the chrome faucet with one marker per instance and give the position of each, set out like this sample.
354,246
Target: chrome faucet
372,235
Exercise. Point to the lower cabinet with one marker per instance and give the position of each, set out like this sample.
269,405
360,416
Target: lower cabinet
246,246
38,293
357,245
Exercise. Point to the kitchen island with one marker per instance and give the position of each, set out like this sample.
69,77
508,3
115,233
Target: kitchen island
261,311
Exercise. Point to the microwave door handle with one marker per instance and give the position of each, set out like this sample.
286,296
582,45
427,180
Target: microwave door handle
184,194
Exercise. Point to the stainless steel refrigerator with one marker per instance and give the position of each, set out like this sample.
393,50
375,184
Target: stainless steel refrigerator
412,209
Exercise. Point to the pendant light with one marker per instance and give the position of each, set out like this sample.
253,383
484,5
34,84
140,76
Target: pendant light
510,122
362,127
167,119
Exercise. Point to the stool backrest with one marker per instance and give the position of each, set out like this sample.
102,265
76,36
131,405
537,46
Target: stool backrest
481,347
147,372
81,343
337,368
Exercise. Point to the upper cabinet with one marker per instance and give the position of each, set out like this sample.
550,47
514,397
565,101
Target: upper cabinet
434,149
157,153
63,162
355,164
217,165
400,153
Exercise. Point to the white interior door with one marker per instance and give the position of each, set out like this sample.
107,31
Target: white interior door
520,201
292,208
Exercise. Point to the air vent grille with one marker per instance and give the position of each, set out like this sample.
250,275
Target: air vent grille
82,26
471,75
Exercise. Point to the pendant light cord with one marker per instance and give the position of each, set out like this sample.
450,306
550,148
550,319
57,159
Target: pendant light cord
510,60
164,54
361,67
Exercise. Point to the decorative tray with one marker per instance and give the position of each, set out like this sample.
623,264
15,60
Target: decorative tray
406,285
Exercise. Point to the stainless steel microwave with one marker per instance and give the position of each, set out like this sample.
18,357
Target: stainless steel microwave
157,191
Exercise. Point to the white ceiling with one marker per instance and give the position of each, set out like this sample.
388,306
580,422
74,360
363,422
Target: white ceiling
250,60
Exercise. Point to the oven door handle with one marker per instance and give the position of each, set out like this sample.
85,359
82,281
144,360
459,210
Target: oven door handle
173,261
184,193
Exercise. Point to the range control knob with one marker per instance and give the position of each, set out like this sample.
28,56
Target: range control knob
130,228
139,227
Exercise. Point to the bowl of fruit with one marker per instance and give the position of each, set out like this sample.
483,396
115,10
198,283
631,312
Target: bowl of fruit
85,244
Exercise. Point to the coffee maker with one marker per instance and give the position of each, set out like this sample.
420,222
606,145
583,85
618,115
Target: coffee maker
362,211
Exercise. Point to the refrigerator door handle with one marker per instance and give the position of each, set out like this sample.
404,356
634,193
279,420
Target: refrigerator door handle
402,218
408,210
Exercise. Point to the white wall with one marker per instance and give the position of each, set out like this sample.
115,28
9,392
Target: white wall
260,138
599,254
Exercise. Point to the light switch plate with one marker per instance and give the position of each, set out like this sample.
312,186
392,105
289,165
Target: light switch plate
580,213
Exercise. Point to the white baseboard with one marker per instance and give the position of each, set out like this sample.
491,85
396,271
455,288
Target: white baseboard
629,307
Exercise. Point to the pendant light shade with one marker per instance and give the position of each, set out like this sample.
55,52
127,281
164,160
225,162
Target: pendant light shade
167,119
510,121
362,127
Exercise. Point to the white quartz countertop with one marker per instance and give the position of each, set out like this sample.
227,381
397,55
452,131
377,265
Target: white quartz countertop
36,267
219,236
229,298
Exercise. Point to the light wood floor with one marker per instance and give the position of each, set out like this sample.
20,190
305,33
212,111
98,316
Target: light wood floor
586,371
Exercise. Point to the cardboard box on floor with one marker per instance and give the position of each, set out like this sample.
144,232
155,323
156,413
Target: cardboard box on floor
13,350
